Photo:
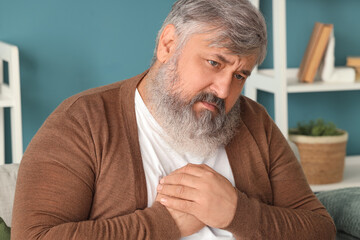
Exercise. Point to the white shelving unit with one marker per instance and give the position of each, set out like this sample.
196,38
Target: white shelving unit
275,81
10,98
282,80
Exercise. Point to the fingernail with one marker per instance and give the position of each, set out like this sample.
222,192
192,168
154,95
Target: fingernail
162,180
160,187
163,200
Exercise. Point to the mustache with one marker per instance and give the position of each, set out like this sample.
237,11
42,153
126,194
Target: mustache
210,98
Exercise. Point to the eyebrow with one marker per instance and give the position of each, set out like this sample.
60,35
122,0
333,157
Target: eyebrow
246,72
223,59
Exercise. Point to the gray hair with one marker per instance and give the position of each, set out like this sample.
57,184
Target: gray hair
237,24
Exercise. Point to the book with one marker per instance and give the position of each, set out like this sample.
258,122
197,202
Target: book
327,64
310,48
357,69
314,51
353,61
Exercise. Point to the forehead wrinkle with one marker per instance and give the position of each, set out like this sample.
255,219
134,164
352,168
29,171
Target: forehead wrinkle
222,53
222,58
227,61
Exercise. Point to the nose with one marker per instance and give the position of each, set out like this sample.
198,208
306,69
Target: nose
221,85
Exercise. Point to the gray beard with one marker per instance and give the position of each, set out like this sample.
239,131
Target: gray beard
186,132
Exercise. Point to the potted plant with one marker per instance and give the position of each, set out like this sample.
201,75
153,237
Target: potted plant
322,149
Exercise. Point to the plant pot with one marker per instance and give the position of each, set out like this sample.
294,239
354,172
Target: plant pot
322,158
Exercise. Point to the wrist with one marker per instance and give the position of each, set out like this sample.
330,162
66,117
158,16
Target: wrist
232,207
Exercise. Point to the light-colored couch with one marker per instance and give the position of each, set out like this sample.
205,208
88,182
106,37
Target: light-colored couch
8,175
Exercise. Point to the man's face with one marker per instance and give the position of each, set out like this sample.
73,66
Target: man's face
193,95
205,69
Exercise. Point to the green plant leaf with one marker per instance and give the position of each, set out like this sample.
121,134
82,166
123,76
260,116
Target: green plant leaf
316,128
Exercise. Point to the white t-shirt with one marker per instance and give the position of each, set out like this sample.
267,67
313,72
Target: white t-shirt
159,160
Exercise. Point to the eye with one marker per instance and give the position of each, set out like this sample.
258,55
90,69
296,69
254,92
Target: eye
213,63
239,76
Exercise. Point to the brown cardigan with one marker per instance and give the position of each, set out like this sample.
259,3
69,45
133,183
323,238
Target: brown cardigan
82,177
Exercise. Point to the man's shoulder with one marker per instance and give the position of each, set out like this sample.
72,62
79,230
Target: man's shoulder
251,110
107,94
255,118
92,95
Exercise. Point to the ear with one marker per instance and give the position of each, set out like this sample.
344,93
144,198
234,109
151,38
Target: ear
167,43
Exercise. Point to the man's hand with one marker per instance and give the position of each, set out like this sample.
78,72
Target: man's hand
200,191
187,223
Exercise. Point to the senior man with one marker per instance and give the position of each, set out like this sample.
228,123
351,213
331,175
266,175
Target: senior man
173,152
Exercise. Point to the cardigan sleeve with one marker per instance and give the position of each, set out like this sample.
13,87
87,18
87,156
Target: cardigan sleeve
295,212
55,187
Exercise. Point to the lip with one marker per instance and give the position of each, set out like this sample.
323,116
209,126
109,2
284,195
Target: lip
210,106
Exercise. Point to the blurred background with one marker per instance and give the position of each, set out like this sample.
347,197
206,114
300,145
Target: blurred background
70,46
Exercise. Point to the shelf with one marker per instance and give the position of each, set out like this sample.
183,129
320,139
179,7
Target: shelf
351,176
294,86
5,100
10,96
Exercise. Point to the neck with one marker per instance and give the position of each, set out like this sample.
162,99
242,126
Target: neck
143,85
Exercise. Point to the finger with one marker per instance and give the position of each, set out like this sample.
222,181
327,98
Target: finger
159,196
180,204
182,179
206,167
179,191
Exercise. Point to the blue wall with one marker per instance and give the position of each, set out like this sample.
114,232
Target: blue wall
69,46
